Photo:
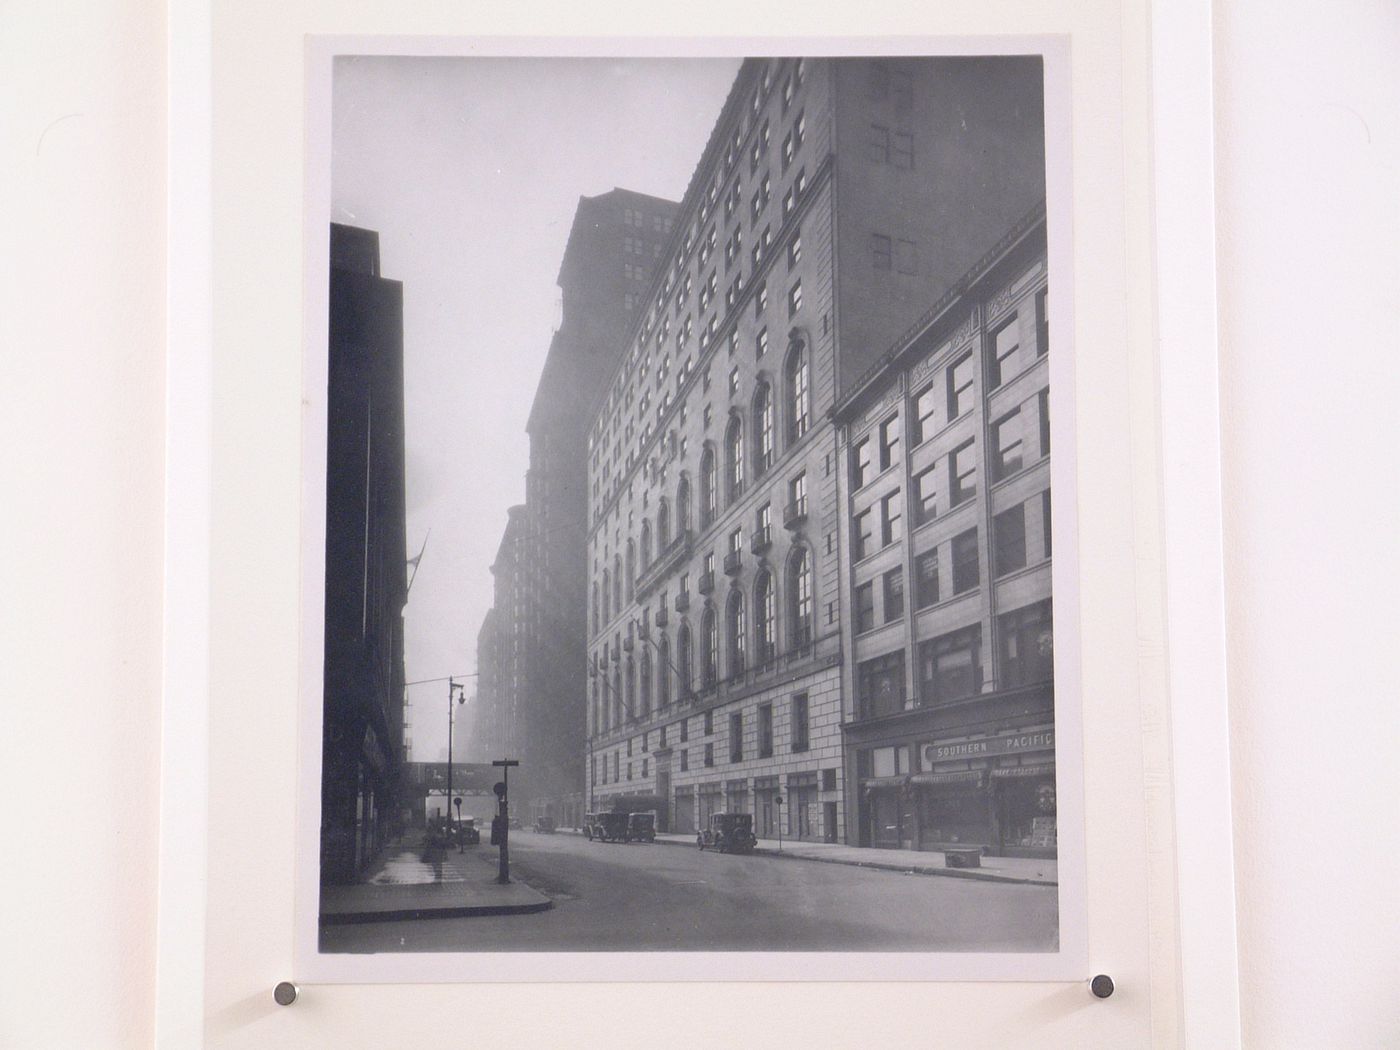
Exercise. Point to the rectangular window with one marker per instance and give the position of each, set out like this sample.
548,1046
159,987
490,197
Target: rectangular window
926,579
925,498
950,666
891,519
923,415
1042,323
966,573
889,441
877,144
736,737
760,299
863,540
960,375
1006,340
685,730
797,493
709,722
1027,640
800,729
865,607
795,250
1043,404
765,730
902,150
861,465
1009,540
761,343
795,299
894,594
880,685
685,760
880,253
1045,519
906,257
962,474
1006,445
709,754
734,381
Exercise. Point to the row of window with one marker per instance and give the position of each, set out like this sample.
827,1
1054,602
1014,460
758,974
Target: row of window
950,666
1009,555
799,740
628,692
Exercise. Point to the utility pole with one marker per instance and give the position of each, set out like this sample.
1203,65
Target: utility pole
502,791
457,691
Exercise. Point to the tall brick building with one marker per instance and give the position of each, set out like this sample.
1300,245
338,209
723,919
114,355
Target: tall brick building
530,684
835,202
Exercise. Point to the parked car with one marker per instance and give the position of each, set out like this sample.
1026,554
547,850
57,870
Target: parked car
728,833
544,824
467,832
641,827
608,827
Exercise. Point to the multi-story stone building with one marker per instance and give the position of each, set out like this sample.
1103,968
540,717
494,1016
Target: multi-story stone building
366,559
946,492
835,202
533,704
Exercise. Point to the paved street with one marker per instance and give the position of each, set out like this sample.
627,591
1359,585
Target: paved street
619,897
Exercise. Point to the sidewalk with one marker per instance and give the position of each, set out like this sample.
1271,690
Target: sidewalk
411,882
993,869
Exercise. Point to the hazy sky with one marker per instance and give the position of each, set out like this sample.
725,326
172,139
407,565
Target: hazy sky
470,169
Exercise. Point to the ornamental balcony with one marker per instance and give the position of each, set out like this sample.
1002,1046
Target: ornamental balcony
667,559
682,601
733,562
627,645
662,616
707,582
795,513
761,540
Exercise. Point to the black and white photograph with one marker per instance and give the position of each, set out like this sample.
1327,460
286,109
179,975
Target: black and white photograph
688,517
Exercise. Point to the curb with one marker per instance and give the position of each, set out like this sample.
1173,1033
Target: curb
880,865
350,918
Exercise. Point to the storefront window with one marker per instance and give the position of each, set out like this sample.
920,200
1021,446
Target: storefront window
950,666
1027,813
1027,645
881,685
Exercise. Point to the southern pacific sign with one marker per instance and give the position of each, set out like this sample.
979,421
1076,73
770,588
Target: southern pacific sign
1011,744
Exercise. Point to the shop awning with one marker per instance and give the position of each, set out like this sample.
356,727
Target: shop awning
1044,770
964,776
883,782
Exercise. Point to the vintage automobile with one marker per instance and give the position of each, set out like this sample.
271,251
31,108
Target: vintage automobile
589,821
641,827
544,824
608,827
467,832
728,833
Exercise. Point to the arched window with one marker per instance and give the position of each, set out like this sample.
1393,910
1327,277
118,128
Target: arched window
631,688
646,545
683,505
663,526
709,648
734,458
799,391
631,571
606,594
763,618
737,630
683,662
709,485
663,673
646,681
800,598
594,610
617,583
763,452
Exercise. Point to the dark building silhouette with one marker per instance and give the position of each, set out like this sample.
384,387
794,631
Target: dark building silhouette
366,580
534,700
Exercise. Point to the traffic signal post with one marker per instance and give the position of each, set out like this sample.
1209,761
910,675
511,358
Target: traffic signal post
502,793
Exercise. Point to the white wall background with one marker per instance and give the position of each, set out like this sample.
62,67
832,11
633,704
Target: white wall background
1308,166
1309,261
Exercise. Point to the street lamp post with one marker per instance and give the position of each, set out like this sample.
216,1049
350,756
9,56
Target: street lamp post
778,799
455,690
